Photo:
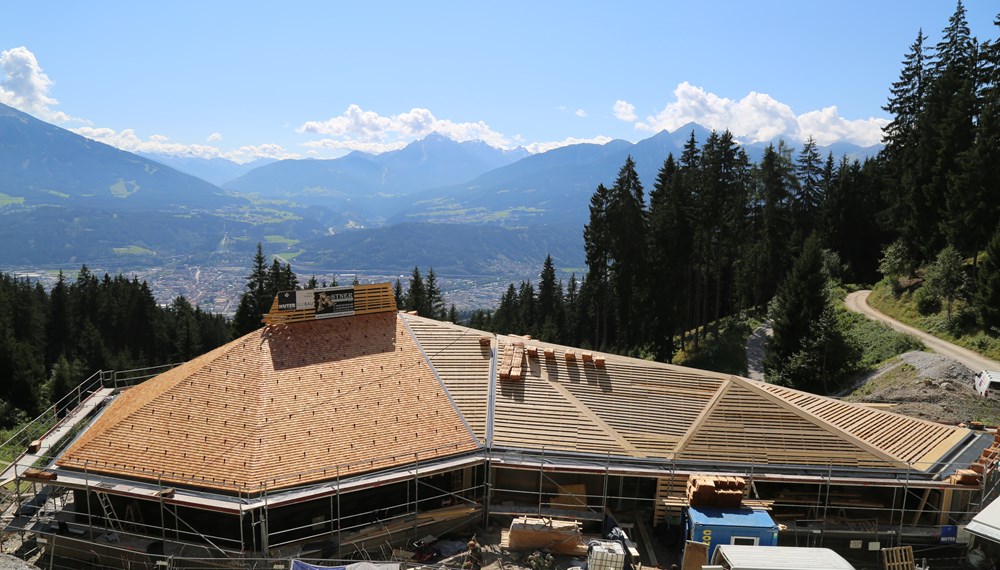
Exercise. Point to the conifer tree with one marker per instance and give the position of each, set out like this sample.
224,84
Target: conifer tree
987,297
416,295
798,309
435,303
596,239
627,251
809,196
549,309
906,173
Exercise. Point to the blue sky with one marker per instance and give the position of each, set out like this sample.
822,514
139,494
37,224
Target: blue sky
247,79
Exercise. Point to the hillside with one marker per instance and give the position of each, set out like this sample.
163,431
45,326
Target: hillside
448,248
44,164
927,386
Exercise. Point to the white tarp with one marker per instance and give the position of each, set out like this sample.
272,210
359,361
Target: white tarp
987,523
300,565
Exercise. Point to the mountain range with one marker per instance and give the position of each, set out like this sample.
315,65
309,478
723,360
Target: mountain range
65,198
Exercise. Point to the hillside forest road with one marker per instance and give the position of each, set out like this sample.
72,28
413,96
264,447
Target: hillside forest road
858,302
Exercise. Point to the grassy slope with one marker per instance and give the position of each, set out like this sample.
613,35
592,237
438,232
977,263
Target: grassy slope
904,309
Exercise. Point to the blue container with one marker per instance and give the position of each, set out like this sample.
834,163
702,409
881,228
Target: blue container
731,526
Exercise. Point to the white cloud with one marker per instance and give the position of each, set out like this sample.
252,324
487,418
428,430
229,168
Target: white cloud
826,126
624,111
126,139
759,117
538,147
357,126
581,113
214,137
24,86
370,147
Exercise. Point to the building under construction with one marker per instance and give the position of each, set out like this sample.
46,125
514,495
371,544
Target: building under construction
344,426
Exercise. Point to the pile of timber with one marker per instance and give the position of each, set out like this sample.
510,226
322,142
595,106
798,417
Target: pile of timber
512,363
965,477
715,491
559,537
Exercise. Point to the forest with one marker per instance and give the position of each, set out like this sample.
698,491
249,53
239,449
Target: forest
715,237
719,236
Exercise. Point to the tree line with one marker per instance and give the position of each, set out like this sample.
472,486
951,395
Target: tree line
52,340
717,235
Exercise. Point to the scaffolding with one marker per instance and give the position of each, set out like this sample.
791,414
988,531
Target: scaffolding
97,515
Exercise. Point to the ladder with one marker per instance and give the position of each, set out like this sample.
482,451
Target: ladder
110,518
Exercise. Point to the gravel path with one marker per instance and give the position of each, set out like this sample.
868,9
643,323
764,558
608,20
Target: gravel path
755,351
858,302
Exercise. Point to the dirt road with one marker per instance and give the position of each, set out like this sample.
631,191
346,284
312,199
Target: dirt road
858,302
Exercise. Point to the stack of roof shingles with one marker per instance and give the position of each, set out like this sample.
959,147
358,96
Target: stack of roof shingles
715,491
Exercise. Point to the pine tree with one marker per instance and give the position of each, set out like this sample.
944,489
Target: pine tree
906,174
627,252
809,196
596,239
669,254
397,292
947,131
549,318
255,300
435,303
416,295
797,316
987,297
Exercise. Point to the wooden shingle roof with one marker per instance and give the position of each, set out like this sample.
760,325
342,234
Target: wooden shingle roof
283,406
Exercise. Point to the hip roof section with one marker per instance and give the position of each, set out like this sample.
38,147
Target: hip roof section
284,406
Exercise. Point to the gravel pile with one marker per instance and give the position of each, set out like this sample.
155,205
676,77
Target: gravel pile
927,386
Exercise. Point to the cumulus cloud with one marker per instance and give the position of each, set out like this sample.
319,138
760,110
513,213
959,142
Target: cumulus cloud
538,147
370,147
357,127
581,113
24,86
759,117
127,139
624,111
214,137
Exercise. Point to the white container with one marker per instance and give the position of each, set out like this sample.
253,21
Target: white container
605,555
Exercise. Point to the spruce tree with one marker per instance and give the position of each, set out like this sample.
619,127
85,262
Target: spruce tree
596,241
416,295
906,173
987,297
549,309
809,195
627,252
435,303
797,312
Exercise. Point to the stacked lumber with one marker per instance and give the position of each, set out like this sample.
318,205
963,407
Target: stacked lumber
559,537
965,477
512,364
715,491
